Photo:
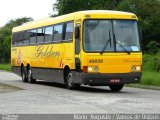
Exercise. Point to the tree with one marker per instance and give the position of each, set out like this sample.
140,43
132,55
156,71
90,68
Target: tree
68,6
5,37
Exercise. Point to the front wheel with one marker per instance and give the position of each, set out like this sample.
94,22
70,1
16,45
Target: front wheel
69,81
116,87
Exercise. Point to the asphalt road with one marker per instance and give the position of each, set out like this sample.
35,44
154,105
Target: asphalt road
51,98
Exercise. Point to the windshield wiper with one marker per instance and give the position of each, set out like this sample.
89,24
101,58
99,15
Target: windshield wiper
121,45
108,41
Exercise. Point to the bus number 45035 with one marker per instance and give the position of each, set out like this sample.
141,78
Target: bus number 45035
96,61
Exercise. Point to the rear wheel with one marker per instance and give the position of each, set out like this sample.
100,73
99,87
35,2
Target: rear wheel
116,87
69,81
30,77
23,75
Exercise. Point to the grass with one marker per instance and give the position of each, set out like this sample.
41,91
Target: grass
6,67
151,78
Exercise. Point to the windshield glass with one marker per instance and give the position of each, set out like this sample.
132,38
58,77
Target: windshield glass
126,35
110,35
97,33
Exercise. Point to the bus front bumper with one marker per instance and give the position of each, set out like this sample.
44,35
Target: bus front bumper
107,79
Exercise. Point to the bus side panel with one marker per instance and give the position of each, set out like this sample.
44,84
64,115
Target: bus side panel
16,70
50,75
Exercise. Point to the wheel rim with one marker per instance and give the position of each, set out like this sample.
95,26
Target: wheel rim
69,79
29,75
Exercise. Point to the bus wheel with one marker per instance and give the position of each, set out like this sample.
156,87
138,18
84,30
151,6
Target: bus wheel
69,81
23,75
30,78
116,87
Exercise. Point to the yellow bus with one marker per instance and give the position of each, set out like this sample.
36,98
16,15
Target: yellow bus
95,47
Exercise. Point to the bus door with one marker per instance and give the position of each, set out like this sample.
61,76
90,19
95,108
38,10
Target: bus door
77,47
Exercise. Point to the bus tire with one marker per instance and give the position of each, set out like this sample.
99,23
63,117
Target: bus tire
23,75
30,77
69,83
116,87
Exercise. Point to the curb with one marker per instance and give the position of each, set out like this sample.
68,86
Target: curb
143,86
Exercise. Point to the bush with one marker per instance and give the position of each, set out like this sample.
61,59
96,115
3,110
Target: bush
157,64
151,63
150,78
153,47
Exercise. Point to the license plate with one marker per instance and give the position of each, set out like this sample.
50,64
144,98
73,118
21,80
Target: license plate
114,80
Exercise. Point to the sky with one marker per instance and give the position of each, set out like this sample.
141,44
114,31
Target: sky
12,9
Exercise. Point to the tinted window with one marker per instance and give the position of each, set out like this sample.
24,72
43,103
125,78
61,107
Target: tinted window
26,37
14,37
20,42
33,36
57,33
40,35
20,36
48,34
69,31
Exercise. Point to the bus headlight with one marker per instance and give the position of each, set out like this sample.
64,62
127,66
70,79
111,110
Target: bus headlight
95,69
92,69
136,68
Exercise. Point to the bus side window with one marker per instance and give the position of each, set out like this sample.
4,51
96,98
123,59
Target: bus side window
14,38
26,37
48,34
57,33
33,35
20,38
69,31
40,35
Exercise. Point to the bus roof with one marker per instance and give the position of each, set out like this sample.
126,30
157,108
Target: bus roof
99,14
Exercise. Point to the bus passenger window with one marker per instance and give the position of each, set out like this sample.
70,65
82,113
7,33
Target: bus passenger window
20,38
69,31
33,35
48,34
20,42
26,38
14,38
57,33
40,35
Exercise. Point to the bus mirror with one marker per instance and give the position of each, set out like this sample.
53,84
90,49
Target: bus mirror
77,32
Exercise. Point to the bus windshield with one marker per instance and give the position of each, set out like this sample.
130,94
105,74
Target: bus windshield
111,36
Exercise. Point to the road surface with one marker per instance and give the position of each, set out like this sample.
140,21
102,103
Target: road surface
51,98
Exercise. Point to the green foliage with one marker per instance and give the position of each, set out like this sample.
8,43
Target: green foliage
150,78
151,62
5,37
153,47
6,67
151,69
68,6
157,64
